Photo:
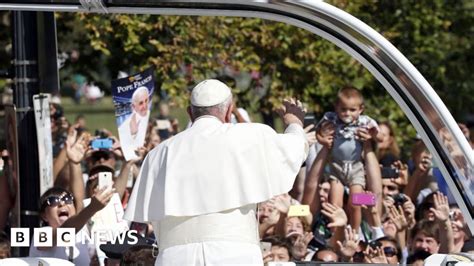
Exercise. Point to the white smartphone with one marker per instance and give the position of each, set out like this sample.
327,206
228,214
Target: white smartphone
105,180
265,247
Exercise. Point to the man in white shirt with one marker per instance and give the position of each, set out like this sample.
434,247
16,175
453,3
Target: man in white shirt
132,131
200,188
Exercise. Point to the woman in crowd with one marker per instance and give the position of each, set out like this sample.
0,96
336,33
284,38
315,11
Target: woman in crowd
388,144
60,208
57,210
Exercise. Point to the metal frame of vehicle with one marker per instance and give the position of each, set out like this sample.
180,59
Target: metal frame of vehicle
400,78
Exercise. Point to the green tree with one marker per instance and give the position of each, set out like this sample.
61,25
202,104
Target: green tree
270,60
435,35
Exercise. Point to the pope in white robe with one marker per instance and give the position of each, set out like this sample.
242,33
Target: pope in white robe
200,188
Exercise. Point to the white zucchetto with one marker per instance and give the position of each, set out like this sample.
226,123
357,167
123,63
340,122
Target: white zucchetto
210,92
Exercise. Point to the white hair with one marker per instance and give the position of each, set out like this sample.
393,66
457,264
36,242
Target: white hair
138,92
214,110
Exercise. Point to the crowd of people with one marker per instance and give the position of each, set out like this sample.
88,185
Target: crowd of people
364,202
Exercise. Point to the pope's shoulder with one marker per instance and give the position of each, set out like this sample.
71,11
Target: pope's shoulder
244,127
251,127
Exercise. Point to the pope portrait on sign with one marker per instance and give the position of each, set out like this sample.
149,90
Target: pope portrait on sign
132,131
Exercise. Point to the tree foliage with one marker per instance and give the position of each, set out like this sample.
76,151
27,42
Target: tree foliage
269,60
435,35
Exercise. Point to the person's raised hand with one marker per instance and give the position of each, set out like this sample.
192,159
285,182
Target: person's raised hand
402,178
458,219
292,111
387,202
336,214
425,163
116,147
409,210
364,134
76,148
101,198
325,134
281,202
441,207
374,133
307,237
134,124
300,245
397,216
376,256
351,241
140,152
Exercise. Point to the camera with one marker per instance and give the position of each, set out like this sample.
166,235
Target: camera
375,244
399,199
451,215
390,172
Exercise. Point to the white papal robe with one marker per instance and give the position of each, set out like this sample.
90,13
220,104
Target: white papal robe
200,189
129,143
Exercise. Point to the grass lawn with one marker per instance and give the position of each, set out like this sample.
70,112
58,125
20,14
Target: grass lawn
102,114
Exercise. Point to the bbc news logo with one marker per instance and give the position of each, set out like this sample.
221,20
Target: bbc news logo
67,237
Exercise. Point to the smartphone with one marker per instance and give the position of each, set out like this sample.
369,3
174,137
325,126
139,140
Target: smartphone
390,172
105,180
298,210
102,144
367,199
265,247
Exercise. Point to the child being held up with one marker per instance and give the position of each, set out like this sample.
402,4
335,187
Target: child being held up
344,132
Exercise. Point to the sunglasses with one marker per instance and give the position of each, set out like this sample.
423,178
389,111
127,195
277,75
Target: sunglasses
390,251
53,201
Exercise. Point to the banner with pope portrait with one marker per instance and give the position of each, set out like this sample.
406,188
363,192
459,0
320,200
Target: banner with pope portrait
132,98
